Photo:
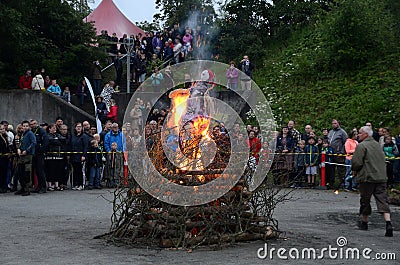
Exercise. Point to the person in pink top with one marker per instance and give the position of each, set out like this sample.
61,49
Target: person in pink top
350,147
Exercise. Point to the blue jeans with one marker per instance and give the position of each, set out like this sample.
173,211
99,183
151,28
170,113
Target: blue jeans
233,86
94,177
349,180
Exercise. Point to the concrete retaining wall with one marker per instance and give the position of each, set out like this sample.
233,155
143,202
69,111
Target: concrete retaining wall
19,105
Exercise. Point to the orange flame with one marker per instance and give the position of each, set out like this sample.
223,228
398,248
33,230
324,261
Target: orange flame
201,178
179,99
201,125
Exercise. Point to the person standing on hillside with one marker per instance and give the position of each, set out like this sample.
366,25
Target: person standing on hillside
97,77
118,69
247,71
232,75
368,165
337,138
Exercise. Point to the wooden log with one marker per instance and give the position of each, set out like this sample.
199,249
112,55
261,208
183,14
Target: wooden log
395,191
168,243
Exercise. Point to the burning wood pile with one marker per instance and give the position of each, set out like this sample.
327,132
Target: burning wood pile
189,152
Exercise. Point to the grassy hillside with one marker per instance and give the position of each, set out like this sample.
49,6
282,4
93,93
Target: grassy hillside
368,94
344,66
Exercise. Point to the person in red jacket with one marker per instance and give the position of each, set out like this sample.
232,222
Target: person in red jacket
254,144
25,81
113,113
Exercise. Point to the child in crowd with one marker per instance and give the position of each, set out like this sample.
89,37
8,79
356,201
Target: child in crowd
299,162
113,113
94,162
265,153
66,95
311,161
319,143
114,166
328,151
103,155
391,151
54,88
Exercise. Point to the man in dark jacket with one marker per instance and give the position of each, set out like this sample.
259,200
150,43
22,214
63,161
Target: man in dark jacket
25,153
368,165
247,71
101,109
118,64
38,158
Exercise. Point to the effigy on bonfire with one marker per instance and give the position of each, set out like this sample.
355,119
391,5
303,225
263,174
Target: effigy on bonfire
191,186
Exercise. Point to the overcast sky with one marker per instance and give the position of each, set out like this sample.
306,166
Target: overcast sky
135,10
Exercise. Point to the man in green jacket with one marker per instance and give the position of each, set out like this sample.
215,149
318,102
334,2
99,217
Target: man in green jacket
368,165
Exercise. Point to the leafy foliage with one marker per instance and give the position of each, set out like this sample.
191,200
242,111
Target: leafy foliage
344,66
47,34
180,12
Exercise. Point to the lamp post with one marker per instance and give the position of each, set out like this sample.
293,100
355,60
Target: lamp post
129,45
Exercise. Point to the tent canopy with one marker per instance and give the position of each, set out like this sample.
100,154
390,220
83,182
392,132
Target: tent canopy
108,17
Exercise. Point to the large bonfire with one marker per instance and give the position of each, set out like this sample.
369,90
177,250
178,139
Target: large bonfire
186,151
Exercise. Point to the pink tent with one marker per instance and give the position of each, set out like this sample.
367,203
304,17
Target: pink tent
108,17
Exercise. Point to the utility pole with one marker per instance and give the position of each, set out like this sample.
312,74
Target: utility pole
129,44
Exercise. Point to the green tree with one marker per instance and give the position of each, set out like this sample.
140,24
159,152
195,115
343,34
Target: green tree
356,32
148,26
45,33
185,12
255,27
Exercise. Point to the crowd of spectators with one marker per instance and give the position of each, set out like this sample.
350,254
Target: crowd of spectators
153,50
297,159
88,159
53,156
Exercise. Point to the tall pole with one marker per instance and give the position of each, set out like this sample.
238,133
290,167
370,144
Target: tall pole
128,43
128,73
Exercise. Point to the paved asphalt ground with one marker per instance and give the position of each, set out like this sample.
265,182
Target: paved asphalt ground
59,227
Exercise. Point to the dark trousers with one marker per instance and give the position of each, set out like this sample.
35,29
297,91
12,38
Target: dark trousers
118,78
390,172
339,172
38,167
24,174
3,173
96,86
77,173
329,176
67,170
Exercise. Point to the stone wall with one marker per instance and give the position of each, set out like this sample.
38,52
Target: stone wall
19,105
